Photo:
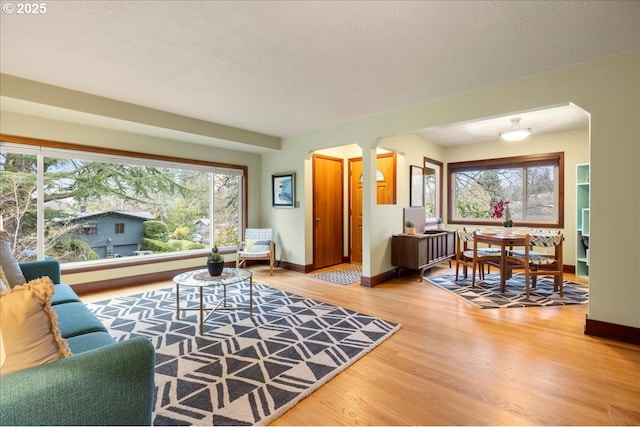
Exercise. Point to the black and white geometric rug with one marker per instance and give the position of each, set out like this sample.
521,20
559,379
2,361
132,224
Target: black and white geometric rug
242,371
486,293
343,276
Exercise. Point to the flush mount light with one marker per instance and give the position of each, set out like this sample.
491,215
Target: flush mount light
516,133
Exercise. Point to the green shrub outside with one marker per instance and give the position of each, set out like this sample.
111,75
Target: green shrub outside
155,230
154,245
192,246
81,249
181,233
175,245
227,236
185,245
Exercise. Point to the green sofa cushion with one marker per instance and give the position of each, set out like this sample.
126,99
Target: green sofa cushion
86,342
104,382
74,318
110,385
36,269
64,293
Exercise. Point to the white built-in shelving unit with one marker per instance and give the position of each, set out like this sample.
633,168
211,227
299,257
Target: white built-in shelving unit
582,221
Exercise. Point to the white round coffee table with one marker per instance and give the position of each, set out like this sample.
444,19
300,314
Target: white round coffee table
201,279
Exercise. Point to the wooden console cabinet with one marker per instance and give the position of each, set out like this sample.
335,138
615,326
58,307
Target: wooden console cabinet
422,251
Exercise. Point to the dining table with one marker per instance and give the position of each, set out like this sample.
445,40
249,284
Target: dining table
506,240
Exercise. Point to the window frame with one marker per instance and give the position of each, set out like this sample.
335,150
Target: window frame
38,146
428,162
540,159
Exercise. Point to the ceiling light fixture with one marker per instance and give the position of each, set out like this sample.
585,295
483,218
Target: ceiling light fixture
516,133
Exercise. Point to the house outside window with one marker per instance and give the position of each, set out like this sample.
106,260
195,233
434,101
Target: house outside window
531,184
90,228
65,204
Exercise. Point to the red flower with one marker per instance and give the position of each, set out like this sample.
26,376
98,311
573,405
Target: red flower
499,208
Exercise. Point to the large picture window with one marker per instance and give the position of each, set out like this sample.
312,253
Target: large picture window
533,186
79,206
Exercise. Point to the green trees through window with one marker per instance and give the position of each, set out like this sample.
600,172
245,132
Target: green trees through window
531,184
87,206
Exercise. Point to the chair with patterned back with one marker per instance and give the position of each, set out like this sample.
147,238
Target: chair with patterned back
473,256
540,263
258,244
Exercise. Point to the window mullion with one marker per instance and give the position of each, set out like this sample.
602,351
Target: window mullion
212,209
525,192
40,225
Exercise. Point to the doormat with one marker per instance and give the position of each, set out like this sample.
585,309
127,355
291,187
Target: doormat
486,293
242,371
342,276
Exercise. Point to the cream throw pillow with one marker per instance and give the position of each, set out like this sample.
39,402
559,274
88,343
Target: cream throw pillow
249,244
30,332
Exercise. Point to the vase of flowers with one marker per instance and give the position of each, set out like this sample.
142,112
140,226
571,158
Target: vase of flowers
501,211
215,262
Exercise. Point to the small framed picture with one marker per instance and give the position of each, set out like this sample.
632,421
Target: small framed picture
283,190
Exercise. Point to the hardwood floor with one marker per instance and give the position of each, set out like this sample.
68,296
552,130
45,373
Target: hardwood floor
452,363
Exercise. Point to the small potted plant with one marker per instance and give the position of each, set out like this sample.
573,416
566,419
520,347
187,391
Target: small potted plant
410,227
439,222
215,262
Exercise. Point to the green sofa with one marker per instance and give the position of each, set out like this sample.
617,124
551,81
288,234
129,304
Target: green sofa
104,382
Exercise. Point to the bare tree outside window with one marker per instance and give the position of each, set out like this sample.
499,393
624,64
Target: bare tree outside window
95,209
530,185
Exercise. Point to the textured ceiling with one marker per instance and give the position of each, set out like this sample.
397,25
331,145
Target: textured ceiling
551,119
288,67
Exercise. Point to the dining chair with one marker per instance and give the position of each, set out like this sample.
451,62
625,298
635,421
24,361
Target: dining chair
539,263
473,256
258,244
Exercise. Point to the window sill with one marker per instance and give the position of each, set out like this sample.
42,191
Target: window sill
99,265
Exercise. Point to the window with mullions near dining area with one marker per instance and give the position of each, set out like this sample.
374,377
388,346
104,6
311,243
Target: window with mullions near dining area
532,186
81,206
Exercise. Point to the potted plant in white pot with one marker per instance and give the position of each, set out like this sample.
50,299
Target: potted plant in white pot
215,262
410,227
439,222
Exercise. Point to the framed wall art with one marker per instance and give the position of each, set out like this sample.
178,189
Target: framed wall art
283,190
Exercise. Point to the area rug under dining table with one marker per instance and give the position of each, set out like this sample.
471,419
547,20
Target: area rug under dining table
242,371
486,293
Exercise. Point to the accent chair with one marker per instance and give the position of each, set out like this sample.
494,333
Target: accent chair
258,244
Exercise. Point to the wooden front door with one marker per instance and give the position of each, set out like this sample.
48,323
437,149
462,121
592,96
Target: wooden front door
328,231
385,193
